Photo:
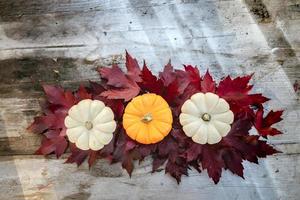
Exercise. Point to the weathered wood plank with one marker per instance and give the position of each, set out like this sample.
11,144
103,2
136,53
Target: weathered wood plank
63,41
38,178
185,30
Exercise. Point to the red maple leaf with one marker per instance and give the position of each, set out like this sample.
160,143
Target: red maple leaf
236,91
56,145
213,162
177,169
208,84
77,155
56,95
127,93
193,75
167,75
263,124
150,83
133,68
122,85
233,161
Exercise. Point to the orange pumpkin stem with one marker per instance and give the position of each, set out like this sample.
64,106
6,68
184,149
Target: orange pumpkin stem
147,118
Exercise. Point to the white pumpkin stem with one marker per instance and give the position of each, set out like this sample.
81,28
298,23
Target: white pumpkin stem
206,117
88,125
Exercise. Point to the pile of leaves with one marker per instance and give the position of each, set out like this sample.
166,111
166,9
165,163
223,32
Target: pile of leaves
177,152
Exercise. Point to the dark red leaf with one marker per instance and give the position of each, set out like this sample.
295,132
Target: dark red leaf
129,145
263,125
183,79
50,121
42,123
57,96
92,157
208,84
82,93
171,92
52,133
133,68
273,118
265,149
127,93
193,152
96,88
256,99
54,94
114,76
55,145
176,170
236,90
157,162
168,75
77,155
233,161
127,164
150,82
193,74
213,162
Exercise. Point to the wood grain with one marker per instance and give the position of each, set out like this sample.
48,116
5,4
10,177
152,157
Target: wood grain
62,42
38,178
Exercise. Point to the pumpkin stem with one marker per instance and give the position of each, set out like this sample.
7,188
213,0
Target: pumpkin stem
147,118
206,117
88,125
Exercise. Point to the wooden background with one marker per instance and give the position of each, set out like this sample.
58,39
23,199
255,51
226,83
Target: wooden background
62,41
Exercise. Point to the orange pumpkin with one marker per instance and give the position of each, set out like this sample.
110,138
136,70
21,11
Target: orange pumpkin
147,118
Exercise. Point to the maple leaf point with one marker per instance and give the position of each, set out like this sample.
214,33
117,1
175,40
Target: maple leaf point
264,124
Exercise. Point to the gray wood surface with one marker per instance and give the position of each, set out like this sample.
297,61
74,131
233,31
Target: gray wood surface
62,42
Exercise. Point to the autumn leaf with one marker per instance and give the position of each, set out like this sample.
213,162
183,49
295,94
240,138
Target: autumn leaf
93,155
56,95
121,85
193,75
176,170
133,68
208,84
158,162
126,93
212,161
193,152
127,164
233,161
82,93
77,155
150,82
167,75
55,145
264,124
114,76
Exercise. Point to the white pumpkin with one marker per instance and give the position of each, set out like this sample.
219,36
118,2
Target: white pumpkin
90,124
206,118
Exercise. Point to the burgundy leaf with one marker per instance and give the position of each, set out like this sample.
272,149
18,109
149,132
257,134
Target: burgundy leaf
133,68
208,84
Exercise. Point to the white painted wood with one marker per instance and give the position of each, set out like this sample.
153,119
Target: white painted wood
63,42
38,178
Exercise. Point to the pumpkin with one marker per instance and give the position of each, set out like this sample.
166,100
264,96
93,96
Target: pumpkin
206,118
90,124
147,118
